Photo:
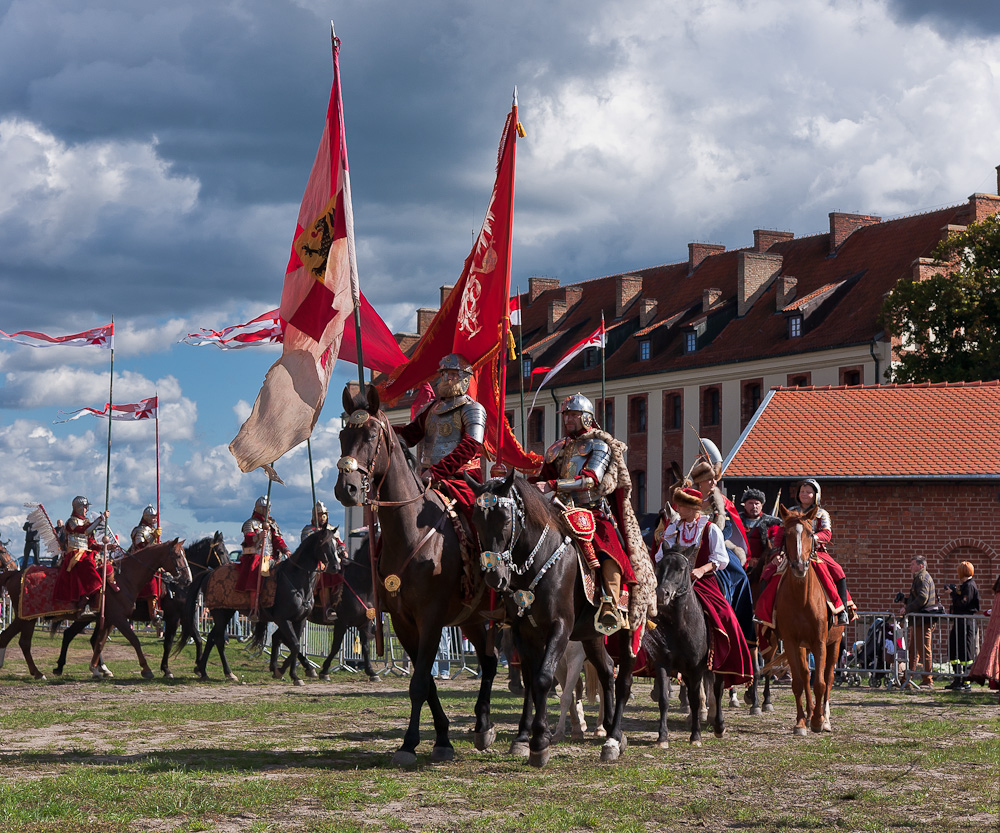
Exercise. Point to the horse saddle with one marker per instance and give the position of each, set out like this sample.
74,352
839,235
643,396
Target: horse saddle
220,590
594,590
37,598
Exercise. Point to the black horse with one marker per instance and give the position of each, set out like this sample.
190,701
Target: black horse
679,644
354,610
530,560
295,578
206,554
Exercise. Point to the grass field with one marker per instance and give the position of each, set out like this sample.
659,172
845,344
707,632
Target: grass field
127,755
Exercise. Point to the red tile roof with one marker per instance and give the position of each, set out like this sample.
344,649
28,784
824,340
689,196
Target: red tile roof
948,430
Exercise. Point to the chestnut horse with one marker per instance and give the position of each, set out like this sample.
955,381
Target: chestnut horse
421,559
134,574
802,623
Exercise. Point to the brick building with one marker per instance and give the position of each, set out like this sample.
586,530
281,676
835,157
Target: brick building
693,347
905,470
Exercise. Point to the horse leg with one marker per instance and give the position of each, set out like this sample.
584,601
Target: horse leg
485,731
799,666
543,664
366,653
97,642
170,622
27,630
519,746
125,627
276,673
220,643
616,741
829,670
719,720
339,630
752,695
105,671
570,704
601,660
71,631
696,697
8,634
663,699
422,649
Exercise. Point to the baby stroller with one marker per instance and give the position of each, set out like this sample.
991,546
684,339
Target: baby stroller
883,653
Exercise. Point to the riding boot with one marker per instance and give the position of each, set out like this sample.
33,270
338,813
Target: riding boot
608,619
843,617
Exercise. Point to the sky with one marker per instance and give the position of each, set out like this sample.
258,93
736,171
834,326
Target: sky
153,156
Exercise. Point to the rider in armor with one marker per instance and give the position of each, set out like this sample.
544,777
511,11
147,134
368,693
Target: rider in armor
574,470
331,577
759,527
450,433
79,576
831,575
146,533
260,548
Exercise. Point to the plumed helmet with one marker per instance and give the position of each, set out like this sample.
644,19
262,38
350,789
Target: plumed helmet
80,504
453,361
752,494
149,515
262,505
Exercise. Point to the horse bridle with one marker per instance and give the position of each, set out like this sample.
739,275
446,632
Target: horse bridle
347,464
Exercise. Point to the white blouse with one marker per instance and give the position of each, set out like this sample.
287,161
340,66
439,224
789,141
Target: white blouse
689,534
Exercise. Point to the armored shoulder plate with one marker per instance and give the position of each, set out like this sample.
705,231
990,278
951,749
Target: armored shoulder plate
474,419
307,530
822,521
252,526
553,452
443,406
600,457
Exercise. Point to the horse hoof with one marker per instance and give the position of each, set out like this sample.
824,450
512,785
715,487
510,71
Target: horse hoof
611,751
600,732
146,675
720,734
311,673
519,749
696,743
442,754
373,678
663,744
734,701
800,731
325,678
539,759
167,675
768,708
748,697
755,711
826,726
232,677
96,674
300,682
403,758
57,670
484,740
40,677
277,675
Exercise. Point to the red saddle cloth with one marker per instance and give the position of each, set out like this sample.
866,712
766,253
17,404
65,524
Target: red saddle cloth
37,598
220,590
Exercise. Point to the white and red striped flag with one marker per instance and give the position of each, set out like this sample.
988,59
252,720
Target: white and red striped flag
514,310
146,409
103,337
264,329
595,339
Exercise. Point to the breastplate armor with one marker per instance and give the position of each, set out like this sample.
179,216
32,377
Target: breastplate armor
76,533
447,423
142,536
254,527
571,456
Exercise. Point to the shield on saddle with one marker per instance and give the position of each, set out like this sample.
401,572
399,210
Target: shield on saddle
37,598
220,590
582,527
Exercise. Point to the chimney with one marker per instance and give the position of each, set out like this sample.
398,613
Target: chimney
843,226
697,252
763,239
424,318
927,267
709,297
786,291
627,289
982,206
572,296
536,286
754,273
557,312
647,311
948,231
445,292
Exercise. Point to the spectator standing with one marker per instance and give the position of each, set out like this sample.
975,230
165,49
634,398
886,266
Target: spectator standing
922,601
986,668
962,639
30,545
61,538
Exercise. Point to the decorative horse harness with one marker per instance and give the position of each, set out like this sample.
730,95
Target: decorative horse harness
492,561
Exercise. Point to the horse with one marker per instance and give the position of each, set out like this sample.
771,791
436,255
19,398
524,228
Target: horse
535,565
680,644
202,555
752,697
421,569
134,574
294,580
802,623
354,610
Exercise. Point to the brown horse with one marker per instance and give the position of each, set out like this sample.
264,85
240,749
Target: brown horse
802,623
135,574
421,561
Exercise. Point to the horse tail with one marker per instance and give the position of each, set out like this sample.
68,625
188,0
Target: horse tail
259,635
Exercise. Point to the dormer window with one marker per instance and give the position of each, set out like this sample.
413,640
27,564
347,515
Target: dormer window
526,368
690,341
794,326
591,357
644,350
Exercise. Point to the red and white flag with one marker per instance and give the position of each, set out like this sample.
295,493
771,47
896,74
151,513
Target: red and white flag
595,339
316,301
514,310
99,337
146,409
264,329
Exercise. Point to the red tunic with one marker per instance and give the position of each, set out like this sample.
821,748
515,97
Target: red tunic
79,575
250,561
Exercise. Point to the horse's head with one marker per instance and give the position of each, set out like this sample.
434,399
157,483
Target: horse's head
673,579
800,538
498,517
365,444
319,548
175,562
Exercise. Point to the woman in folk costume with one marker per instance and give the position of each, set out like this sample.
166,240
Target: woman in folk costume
831,575
701,540
986,668
722,513
79,576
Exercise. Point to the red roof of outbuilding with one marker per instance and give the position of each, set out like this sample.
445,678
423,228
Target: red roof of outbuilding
946,430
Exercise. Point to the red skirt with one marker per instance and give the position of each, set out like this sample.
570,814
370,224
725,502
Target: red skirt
83,579
730,653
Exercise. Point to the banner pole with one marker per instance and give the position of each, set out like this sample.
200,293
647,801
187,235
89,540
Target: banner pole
255,606
312,479
604,339
159,523
520,364
107,483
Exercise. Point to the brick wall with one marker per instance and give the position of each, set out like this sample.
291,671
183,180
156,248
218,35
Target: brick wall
878,528
673,438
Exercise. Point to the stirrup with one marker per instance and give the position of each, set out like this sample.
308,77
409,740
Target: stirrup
842,618
607,621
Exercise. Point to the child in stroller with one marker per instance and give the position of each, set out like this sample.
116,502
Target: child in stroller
881,656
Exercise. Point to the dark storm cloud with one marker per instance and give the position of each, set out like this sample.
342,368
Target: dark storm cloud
966,17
